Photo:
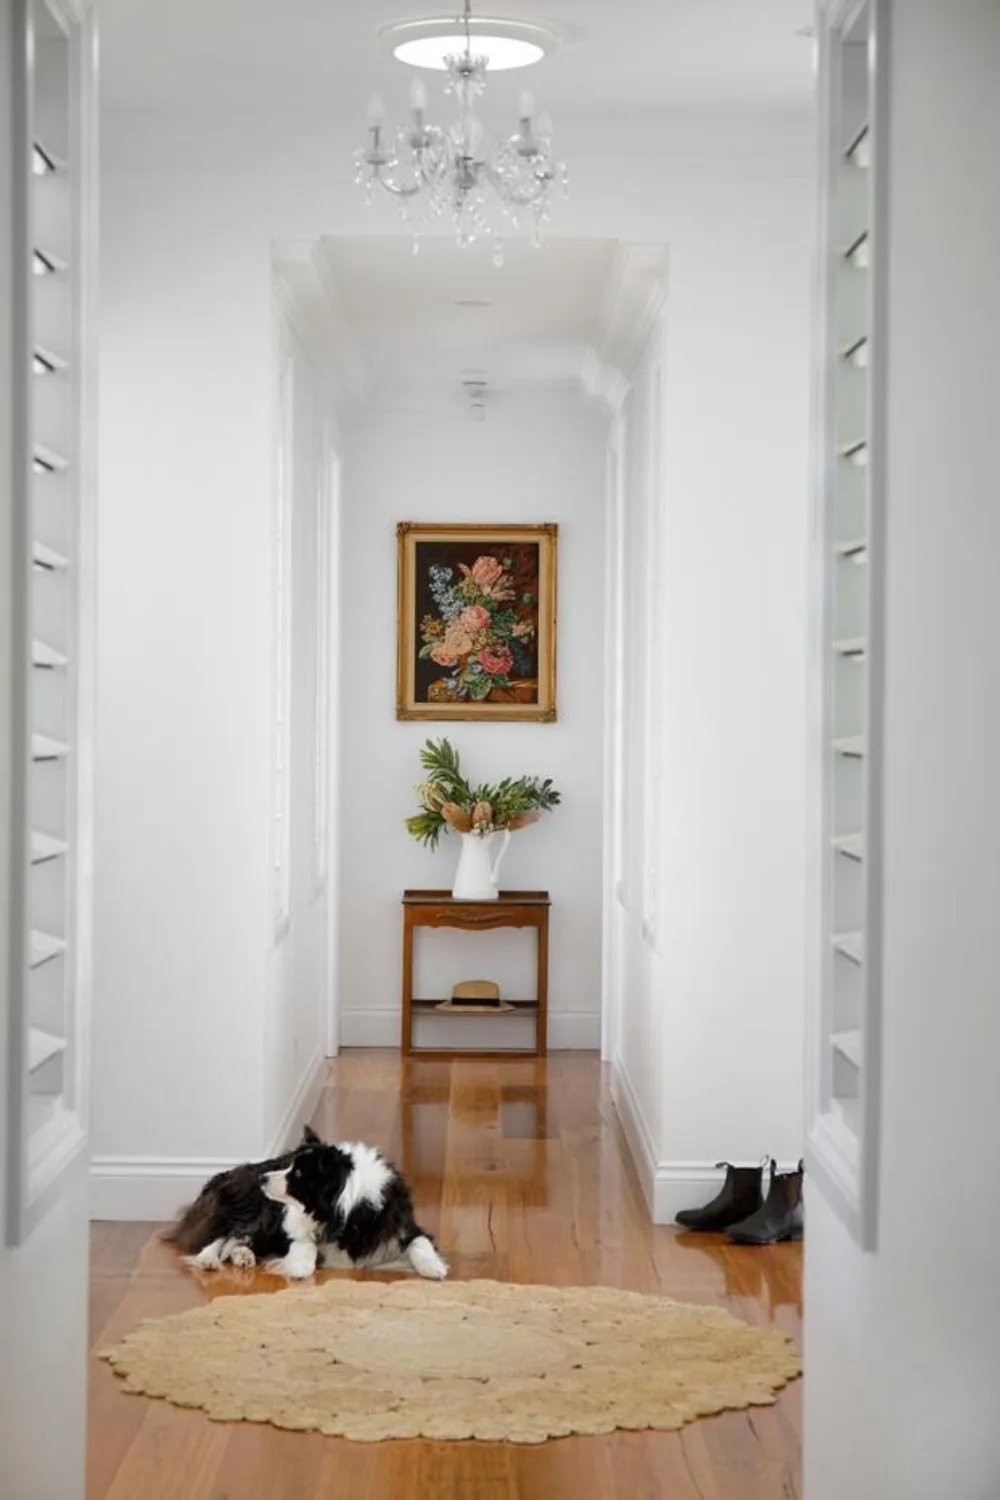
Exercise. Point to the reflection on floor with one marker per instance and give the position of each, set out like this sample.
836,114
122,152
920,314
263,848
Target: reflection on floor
519,1170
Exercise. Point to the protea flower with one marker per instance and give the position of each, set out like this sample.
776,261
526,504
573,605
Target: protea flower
456,817
482,815
521,820
432,795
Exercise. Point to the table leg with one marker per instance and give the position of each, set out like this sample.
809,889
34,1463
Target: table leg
542,989
406,1040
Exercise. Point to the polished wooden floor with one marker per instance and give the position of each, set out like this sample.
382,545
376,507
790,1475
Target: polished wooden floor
520,1170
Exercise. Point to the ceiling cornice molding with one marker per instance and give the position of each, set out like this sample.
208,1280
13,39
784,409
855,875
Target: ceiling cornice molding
308,291
631,309
633,302
70,13
603,383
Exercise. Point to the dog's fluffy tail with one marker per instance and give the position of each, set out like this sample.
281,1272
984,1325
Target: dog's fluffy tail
192,1229
424,1258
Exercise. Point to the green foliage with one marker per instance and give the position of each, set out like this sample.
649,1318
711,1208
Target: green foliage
507,800
427,827
441,763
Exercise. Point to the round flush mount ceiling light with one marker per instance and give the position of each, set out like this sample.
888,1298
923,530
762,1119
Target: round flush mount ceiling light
503,43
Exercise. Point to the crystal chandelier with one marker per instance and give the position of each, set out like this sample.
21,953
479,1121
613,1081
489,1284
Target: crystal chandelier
432,170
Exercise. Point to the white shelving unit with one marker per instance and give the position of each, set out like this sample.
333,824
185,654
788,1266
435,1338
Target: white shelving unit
844,1072
52,484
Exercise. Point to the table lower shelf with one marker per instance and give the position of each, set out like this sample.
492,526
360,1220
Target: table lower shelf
488,1012
474,1027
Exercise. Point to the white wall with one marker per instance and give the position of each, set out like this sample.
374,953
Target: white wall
636,1040
190,207
537,456
903,1343
183,685
717,1000
205,1039
299,977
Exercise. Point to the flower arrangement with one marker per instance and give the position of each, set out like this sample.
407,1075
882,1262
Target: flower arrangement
484,626
447,800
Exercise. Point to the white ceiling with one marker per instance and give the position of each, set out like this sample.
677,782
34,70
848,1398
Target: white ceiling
406,320
321,58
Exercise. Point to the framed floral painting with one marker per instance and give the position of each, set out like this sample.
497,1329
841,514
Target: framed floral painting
476,622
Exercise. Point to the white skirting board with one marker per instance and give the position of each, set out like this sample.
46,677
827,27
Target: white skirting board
569,1030
667,1186
147,1189
151,1189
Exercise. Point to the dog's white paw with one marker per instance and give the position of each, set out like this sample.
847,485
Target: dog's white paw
425,1260
207,1259
298,1264
242,1256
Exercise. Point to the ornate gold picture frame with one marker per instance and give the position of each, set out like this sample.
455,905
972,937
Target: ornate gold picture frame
476,622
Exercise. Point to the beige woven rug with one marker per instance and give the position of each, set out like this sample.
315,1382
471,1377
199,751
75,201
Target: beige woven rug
473,1359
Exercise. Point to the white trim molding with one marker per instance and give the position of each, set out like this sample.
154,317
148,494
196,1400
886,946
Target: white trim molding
667,1186
148,1189
152,1189
631,309
308,292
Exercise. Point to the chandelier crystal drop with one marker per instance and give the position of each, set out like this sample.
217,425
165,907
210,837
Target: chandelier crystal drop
487,187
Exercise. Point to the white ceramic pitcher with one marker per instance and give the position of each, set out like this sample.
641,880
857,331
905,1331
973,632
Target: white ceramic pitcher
478,875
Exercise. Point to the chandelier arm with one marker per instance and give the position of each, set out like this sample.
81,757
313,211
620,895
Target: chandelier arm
399,189
528,196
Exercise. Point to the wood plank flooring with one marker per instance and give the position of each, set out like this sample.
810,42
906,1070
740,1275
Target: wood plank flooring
520,1171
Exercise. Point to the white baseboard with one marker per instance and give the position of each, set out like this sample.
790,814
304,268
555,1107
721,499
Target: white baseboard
569,1030
683,1184
151,1189
369,1028
635,1129
574,1030
148,1189
667,1186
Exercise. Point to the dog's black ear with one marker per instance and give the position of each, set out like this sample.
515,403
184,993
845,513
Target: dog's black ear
309,1137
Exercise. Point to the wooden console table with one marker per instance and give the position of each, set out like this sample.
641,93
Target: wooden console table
511,909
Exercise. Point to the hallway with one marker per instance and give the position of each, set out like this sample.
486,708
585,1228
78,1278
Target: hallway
520,1171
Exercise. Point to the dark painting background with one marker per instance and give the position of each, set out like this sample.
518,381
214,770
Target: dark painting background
525,560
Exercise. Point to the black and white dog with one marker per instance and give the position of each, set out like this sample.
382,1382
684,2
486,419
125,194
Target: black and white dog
343,1204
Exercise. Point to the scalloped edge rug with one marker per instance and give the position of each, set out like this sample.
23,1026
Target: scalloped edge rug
465,1359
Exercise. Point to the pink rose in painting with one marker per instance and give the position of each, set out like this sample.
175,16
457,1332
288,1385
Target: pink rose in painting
457,642
485,571
497,661
474,618
442,655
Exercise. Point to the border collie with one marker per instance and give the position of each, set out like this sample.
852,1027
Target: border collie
343,1205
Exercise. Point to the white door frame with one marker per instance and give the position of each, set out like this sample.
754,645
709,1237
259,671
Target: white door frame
613,726
333,472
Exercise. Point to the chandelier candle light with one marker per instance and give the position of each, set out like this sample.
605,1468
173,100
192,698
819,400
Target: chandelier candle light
431,170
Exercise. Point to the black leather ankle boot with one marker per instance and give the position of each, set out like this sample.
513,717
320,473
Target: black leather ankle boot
779,1217
739,1196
